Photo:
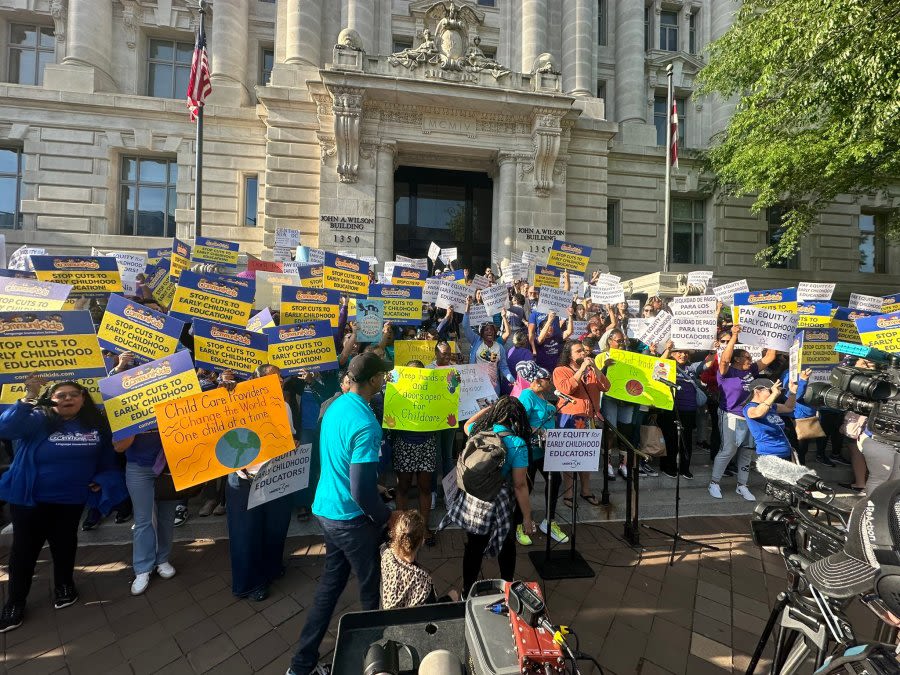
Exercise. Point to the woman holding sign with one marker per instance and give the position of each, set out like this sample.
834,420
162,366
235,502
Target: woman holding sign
64,450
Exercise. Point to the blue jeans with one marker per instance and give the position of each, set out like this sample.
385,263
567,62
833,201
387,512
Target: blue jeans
154,522
255,537
349,545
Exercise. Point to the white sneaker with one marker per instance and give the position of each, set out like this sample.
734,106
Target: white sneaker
555,531
140,583
623,471
610,471
715,491
744,492
165,570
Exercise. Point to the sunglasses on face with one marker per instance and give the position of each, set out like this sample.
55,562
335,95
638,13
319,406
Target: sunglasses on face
66,394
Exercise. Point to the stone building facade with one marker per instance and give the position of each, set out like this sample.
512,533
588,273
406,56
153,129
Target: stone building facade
493,125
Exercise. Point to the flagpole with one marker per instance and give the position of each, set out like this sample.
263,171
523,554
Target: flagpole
668,201
198,162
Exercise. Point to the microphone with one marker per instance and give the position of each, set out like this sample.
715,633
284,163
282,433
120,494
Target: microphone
564,397
670,385
776,469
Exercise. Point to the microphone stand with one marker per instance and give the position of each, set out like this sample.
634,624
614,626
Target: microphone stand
632,491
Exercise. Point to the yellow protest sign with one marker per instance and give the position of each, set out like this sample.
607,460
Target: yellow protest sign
416,350
347,275
632,377
421,399
546,276
89,276
180,259
213,299
309,304
28,295
213,433
12,392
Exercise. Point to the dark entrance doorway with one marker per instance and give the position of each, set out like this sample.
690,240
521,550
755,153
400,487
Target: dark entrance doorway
450,208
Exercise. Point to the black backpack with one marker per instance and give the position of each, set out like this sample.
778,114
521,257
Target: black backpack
480,465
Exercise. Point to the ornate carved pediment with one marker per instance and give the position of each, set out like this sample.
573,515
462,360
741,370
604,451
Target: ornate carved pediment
684,67
347,108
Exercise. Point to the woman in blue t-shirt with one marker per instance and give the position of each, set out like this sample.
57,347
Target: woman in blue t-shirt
763,414
64,447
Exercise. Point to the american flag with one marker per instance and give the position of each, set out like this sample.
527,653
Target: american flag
199,86
674,125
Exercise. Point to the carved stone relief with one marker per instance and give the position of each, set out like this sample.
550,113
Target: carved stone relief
347,110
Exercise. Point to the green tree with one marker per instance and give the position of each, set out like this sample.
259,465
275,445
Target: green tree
818,115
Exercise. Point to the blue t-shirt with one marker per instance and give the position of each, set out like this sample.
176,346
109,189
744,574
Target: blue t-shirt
349,434
66,462
516,449
541,415
768,432
144,449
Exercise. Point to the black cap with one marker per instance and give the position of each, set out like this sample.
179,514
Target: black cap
367,365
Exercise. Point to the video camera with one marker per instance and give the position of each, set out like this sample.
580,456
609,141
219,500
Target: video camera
873,393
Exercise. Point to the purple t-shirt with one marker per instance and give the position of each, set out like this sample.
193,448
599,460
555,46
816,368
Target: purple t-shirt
733,388
547,353
517,354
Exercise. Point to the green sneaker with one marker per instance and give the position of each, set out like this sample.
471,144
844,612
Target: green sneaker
521,537
555,531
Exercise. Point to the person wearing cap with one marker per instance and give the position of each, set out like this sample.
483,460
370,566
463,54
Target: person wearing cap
347,504
763,413
486,349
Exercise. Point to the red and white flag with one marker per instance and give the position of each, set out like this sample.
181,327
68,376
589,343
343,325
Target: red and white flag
199,86
673,124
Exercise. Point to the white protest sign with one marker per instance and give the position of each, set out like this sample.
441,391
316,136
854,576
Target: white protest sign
371,259
478,315
637,327
281,476
495,299
451,488
286,242
289,267
268,288
754,351
767,328
515,271
694,305
579,328
725,292
868,303
417,263
607,293
659,332
452,294
448,255
607,278
475,389
531,259
130,264
807,291
699,279
634,307
479,282
388,271
554,300
573,449
694,332
21,258
431,288
433,251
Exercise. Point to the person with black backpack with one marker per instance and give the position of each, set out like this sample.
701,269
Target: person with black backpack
492,471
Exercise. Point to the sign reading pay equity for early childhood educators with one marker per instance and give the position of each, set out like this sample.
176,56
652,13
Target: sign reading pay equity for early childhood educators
281,476
767,328
573,449
212,433
421,399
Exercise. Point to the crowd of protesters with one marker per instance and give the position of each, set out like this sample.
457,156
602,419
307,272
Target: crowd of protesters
64,468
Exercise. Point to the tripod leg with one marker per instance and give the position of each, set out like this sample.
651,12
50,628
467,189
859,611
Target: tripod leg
767,632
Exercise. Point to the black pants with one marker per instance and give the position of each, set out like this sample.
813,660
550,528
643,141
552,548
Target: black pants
831,424
56,524
715,434
476,544
552,481
666,421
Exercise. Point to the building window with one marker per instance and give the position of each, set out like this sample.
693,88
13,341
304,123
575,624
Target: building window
660,117
613,221
647,29
688,226
602,20
872,243
30,49
775,217
266,60
692,33
148,196
601,89
401,43
10,187
487,3
668,31
169,68
251,200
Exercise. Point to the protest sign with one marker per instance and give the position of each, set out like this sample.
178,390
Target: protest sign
694,332
812,314
607,278
815,347
881,332
408,276
260,321
421,399
216,252
514,271
89,276
452,294
369,320
478,316
269,285
699,279
215,432
302,346
347,275
634,306
21,258
57,345
448,255
286,240
129,396
416,350
844,319
431,289
495,299
891,303
417,263
573,449
254,264
13,391
607,293
579,328
312,256
807,291
659,332
129,327
767,328
726,292
635,378
17,274
154,255
161,284
180,260
402,304
29,295
281,476
778,299
310,304
694,305
569,256
130,264
554,300
476,391
867,303
228,348
200,297
479,282
546,277
451,486
637,327
433,251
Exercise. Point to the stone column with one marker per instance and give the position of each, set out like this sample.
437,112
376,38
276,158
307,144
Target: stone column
303,33
578,46
361,18
384,202
86,67
534,32
506,238
630,80
723,14
228,52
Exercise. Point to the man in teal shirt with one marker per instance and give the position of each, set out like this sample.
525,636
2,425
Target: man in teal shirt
347,505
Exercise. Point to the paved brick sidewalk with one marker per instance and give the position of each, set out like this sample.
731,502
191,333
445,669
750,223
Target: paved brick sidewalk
637,616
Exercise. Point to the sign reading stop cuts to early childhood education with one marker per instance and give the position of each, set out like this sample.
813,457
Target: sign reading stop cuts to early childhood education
347,275
302,346
421,399
212,298
161,284
89,276
402,304
216,251
814,314
29,295
228,347
546,277
881,332
310,304
215,432
281,476
638,378
180,259
130,327
129,396
573,449
569,256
